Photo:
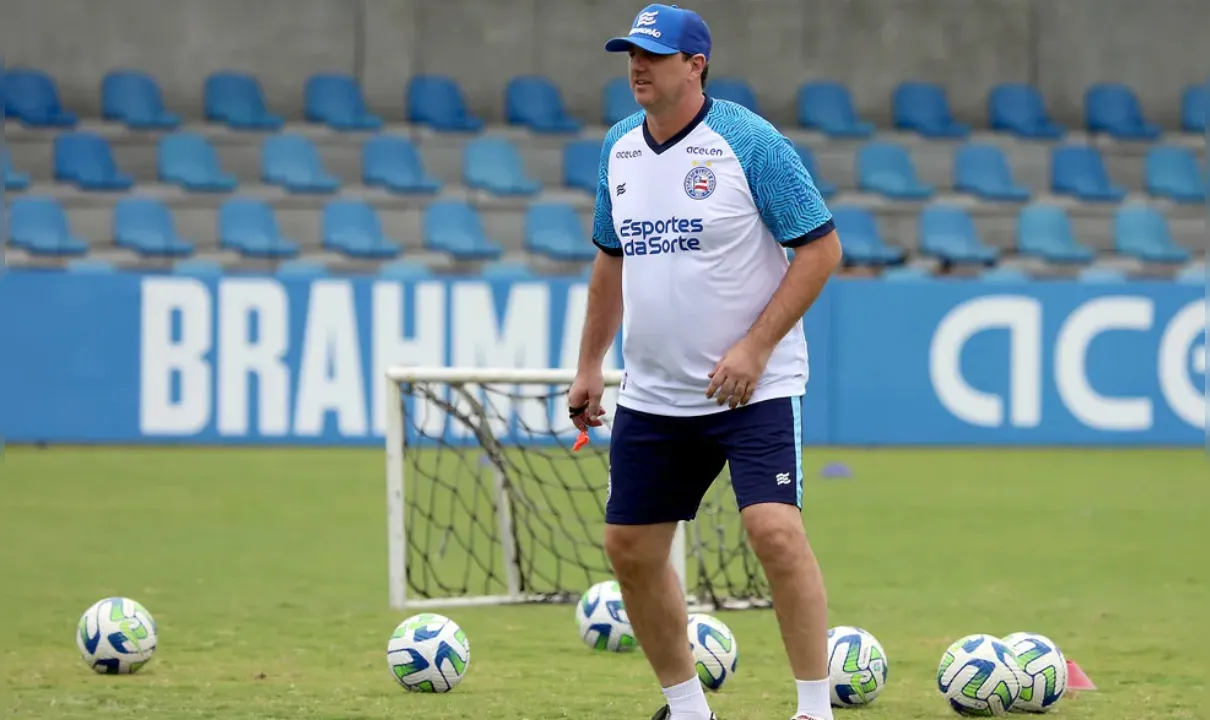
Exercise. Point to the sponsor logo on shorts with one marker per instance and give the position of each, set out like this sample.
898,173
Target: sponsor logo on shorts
783,478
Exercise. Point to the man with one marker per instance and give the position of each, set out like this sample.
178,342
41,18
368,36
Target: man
697,202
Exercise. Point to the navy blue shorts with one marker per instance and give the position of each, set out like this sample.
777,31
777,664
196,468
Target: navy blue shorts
660,467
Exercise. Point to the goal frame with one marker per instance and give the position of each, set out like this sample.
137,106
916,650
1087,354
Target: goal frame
396,483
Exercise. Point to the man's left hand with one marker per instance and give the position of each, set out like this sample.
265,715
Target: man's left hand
734,378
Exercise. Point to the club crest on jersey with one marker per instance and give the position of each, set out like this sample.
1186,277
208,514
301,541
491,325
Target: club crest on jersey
700,182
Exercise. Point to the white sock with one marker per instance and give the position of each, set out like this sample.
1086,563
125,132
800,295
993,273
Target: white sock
814,699
687,701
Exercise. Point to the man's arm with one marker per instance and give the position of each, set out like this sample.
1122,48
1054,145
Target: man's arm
809,271
603,316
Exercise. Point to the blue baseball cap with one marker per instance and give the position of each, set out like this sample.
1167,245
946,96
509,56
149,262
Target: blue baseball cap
665,30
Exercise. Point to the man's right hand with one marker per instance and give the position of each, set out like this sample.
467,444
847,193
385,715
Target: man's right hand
584,399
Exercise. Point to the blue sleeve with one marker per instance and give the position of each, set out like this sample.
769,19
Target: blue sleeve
785,195
604,235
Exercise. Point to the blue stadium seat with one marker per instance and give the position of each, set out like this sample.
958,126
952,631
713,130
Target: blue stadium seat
1195,107
737,90
494,164
454,227
1101,275
1173,173
197,267
949,233
581,165
90,266
13,180
828,107
404,270
352,227
617,101
1018,108
146,226
825,187
32,97
1079,171
39,225
1114,109
507,270
887,169
190,161
861,240
982,170
1045,231
86,160
336,101
292,162
134,99
906,273
1194,274
1142,232
924,108
392,162
535,102
301,268
1004,275
250,227
555,231
437,101
237,100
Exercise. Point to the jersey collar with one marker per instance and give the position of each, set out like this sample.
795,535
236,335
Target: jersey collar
658,148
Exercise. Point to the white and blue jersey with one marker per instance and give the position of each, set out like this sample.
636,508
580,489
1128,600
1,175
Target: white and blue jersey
703,222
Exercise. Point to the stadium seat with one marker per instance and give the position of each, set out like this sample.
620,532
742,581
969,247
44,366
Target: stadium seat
1101,275
301,268
506,270
86,160
1079,171
1172,172
906,273
535,102
581,165
1195,106
736,90
199,268
404,270
982,171
555,231
134,99
437,101
13,180
90,266
453,227
392,162
1114,109
887,169
335,100
292,162
617,101
146,226
236,100
494,164
352,227
828,107
1142,232
861,240
250,227
1018,109
1004,275
924,108
1194,274
949,233
32,97
190,161
1044,231
823,185
39,225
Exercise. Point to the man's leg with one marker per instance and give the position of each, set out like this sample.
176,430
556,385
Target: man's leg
657,477
763,444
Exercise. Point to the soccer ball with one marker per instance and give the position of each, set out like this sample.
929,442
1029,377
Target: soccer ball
428,653
715,652
116,636
601,617
857,666
1045,671
980,676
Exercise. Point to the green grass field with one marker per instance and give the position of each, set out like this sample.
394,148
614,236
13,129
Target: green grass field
266,572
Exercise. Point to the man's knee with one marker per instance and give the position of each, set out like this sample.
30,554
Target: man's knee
638,549
776,533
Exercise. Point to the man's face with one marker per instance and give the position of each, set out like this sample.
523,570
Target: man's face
658,80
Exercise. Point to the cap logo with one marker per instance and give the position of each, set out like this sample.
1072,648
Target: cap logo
646,18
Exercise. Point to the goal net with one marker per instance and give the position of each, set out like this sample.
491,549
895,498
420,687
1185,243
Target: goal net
488,503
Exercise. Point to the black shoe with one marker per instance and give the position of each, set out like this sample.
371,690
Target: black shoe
665,712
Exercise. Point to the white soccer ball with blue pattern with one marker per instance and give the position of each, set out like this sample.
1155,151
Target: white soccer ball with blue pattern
602,620
857,666
1045,670
715,651
428,653
980,676
116,636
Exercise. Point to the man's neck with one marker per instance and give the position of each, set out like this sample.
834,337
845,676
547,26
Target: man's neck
664,126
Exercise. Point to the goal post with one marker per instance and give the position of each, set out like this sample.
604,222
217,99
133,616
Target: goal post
488,503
